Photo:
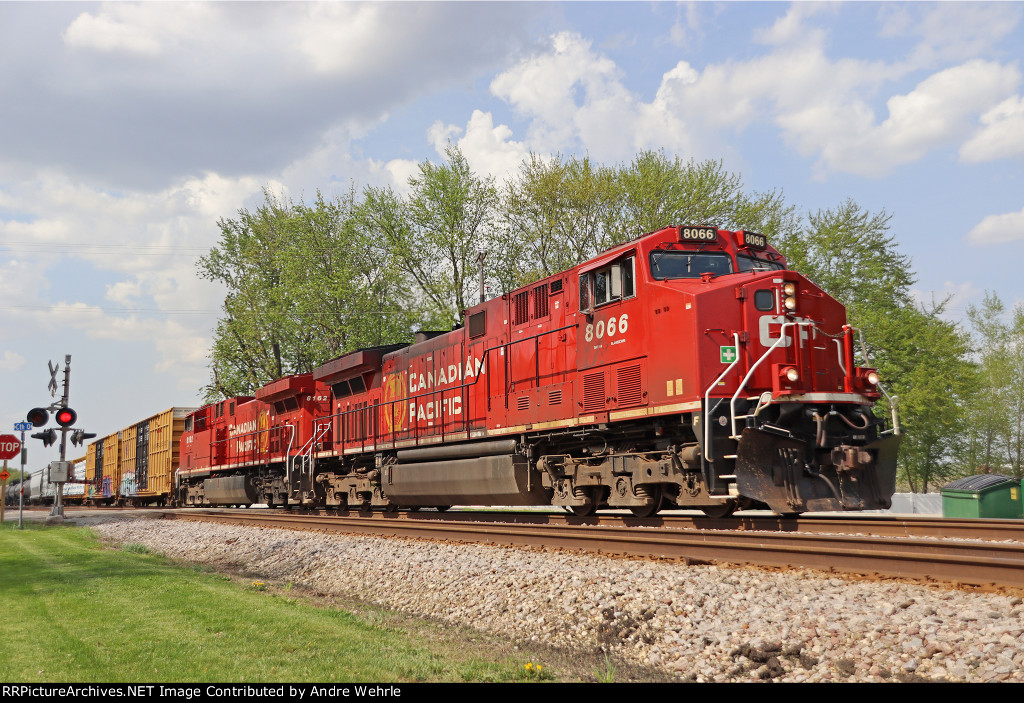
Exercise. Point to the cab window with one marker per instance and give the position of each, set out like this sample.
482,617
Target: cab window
750,263
606,285
688,264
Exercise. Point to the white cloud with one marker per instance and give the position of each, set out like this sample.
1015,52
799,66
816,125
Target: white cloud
1002,135
120,28
949,31
489,149
140,248
11,361
338,37
937,113
577,100
791,28
998,229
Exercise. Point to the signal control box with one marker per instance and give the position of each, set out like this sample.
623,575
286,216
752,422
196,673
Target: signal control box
59,471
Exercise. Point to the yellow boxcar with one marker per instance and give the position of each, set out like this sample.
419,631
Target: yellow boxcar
148,454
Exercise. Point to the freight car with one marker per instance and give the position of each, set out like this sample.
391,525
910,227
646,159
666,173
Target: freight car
39,490
135,465
687,368
13,494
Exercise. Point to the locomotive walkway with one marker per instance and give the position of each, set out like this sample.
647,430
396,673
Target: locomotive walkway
962,552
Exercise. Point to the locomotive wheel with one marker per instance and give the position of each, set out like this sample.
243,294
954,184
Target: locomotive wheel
587,509
442,508
721,510
651,508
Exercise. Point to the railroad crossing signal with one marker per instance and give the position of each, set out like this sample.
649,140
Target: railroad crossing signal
52,385
48,436
79,436
65,417
38,417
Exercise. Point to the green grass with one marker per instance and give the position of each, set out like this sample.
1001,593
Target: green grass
73,610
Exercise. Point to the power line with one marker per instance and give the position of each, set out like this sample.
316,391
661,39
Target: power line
160,311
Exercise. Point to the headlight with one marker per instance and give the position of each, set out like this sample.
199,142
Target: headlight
789,289
873,378
790,304
791,374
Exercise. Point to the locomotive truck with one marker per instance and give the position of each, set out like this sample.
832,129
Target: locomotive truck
688,368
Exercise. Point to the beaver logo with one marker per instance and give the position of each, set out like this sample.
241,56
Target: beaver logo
394,411
263,425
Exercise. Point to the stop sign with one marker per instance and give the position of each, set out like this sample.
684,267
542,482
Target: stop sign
9,446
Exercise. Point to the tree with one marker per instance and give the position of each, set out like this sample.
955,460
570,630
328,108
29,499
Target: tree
305,283
560,211
553,216
657,191
437,232
929,370
996,428
988,422
922,358
252,342
347,284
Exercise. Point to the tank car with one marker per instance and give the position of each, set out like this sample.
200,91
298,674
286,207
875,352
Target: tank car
688,368
13,495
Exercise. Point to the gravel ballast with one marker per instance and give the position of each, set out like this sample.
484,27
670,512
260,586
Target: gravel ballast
698,622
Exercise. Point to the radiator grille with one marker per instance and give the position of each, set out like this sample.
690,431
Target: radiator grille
521,308
593,392
555,397
540,298
630,391
523,402
477,324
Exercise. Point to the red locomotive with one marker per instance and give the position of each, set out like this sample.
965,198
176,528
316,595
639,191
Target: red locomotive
687,368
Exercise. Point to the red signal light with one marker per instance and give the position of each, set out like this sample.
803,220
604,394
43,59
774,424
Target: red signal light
38,416
66,417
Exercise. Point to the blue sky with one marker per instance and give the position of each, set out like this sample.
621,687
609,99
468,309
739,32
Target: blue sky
127,130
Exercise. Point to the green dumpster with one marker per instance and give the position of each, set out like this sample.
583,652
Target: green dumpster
985,495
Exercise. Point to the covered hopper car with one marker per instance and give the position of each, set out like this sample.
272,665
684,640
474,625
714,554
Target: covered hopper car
687,368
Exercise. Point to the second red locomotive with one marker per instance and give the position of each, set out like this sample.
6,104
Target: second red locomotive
687,368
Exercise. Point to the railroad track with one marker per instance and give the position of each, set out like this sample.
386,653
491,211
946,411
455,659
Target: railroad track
901,548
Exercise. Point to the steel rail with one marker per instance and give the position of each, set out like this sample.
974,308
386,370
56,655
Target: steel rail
987,564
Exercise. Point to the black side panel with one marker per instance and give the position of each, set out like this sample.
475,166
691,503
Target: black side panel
490,480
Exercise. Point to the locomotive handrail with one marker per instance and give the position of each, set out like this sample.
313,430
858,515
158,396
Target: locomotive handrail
707,399
768,351
893,399
288,456
319,429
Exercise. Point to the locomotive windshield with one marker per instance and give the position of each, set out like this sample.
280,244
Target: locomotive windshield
749,263
689,264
